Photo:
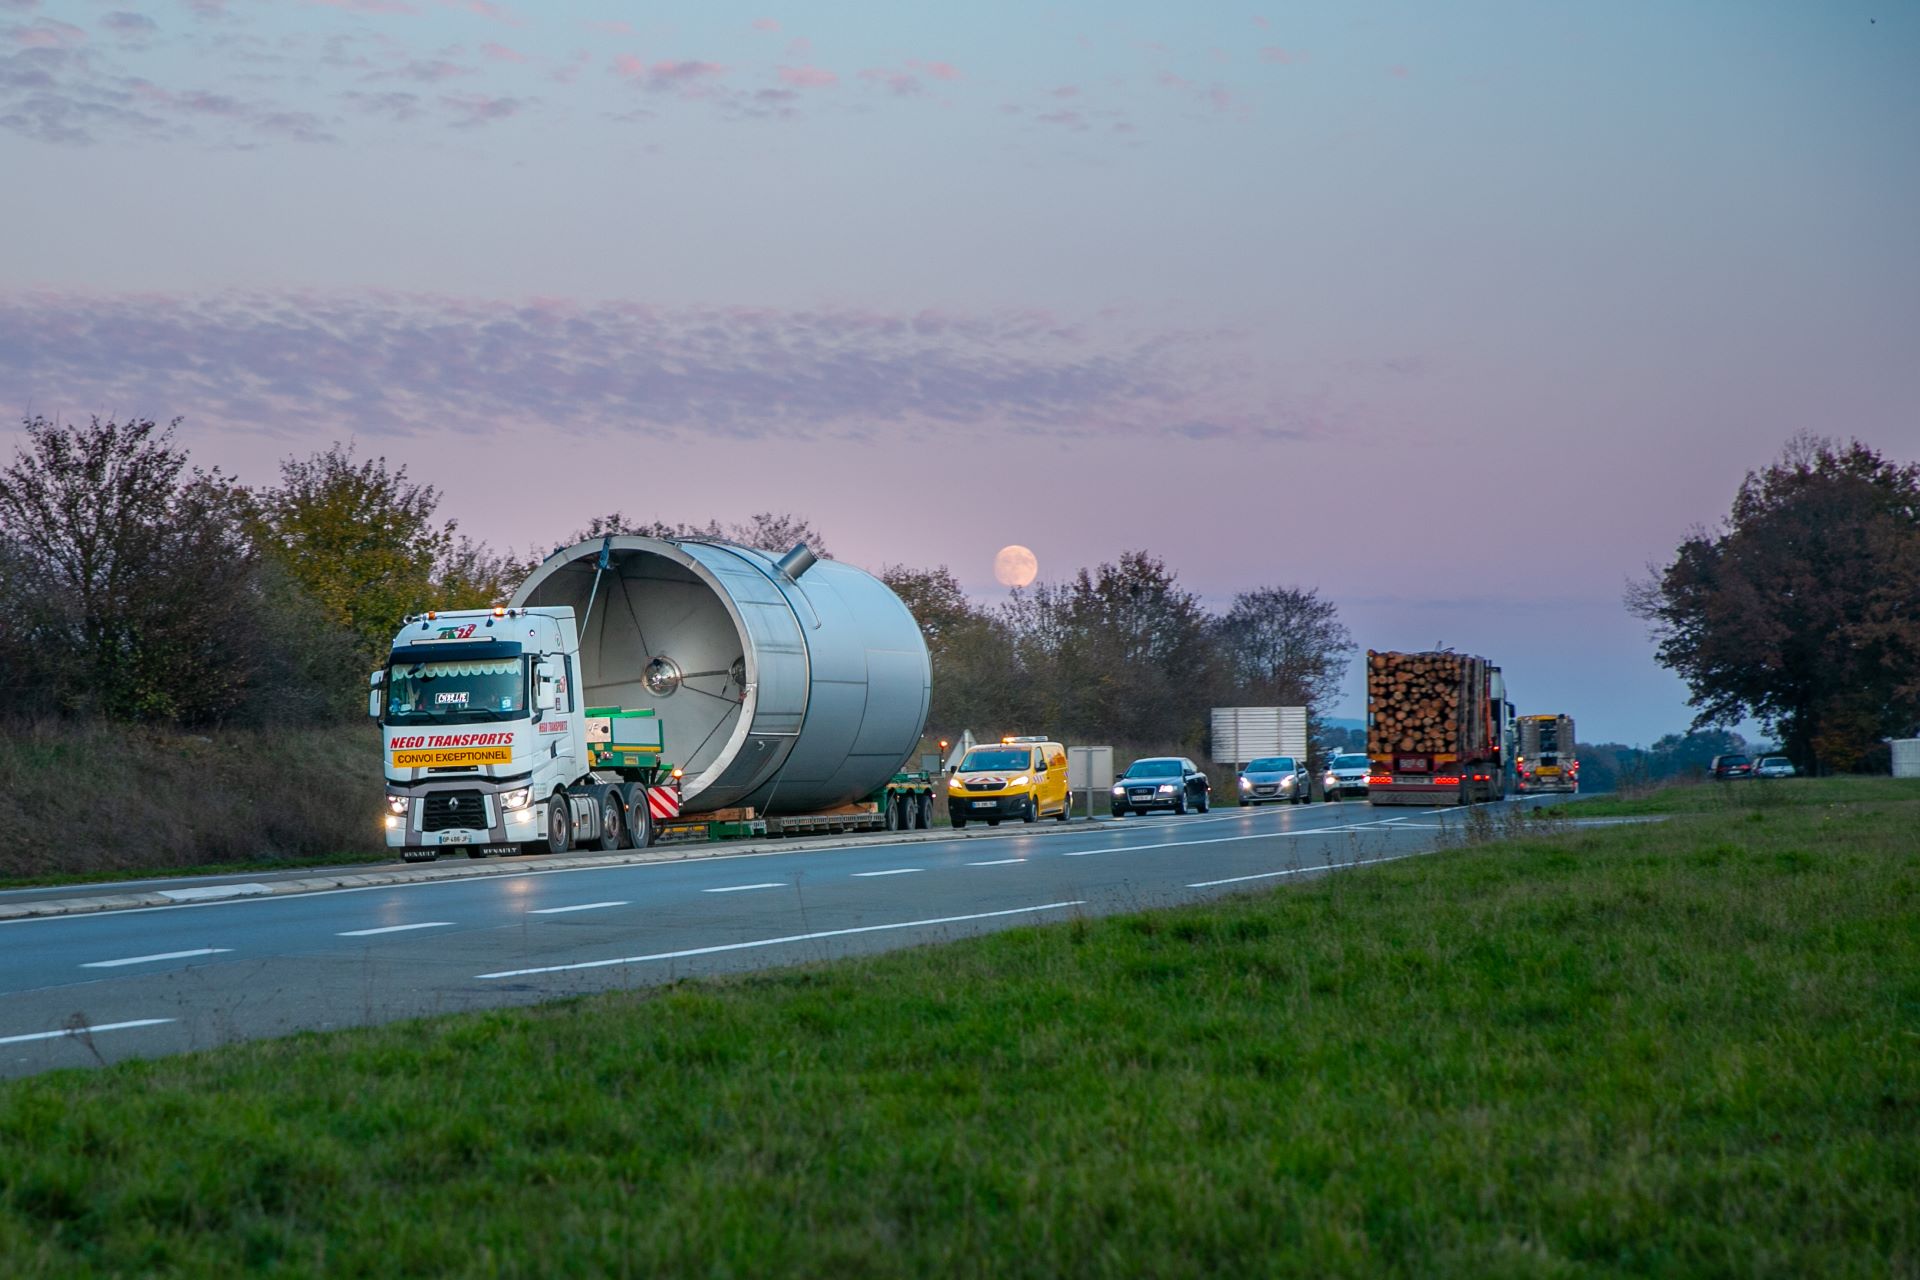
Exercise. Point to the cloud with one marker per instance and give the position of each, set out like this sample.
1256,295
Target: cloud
936,70
617,27
766,24
470,111
425,71
130,25
47,34
687,76
501,53
807,77
379,364
1284,57
1399,71
485,9
366,6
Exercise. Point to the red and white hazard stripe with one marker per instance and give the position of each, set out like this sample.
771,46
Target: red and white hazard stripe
663,803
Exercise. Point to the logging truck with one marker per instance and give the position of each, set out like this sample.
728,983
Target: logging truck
1544,758
1438,729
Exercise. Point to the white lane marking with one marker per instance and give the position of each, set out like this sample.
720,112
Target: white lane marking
776,942
584,906
1295,871
164,955
397,928
86,1031
897,871
997,862
1181,844
742,888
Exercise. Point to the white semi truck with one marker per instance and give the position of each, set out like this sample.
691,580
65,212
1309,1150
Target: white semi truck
638,681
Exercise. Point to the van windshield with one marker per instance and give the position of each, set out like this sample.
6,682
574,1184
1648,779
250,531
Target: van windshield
996,758
472,691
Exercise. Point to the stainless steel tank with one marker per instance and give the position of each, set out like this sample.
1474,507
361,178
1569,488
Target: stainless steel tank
790,684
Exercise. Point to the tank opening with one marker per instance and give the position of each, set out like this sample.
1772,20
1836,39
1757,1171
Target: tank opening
797,561
657,632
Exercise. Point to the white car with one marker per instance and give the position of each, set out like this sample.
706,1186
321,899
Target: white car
1346,775
1773,767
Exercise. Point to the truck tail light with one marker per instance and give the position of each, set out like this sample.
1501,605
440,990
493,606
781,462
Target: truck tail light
1379,779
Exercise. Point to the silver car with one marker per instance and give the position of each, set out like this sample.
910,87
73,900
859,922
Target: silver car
1274,780
1346,775
1773,767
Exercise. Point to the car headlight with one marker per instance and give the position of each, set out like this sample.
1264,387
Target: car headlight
1119,790
1244,784
397,804
1167,788
954,784
511,800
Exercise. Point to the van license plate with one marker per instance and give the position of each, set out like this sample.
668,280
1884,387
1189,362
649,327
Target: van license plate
455,837
985,804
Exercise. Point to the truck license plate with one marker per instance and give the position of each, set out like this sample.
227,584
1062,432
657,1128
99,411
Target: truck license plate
455,837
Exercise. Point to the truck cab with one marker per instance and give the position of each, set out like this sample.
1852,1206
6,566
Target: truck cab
484,735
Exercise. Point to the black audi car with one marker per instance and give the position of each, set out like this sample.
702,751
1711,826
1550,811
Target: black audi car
1162,782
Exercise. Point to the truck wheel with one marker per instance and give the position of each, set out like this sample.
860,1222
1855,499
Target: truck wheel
559,823
890,813
613,829
923,811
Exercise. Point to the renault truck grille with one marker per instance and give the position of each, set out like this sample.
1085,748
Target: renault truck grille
445,810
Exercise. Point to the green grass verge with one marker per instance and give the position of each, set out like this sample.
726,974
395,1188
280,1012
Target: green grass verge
1690,1047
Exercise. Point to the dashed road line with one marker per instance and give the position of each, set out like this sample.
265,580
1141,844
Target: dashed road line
397,928
897,871
791,938
583,906
164,955
998,862
742,888
76,1032
1295,871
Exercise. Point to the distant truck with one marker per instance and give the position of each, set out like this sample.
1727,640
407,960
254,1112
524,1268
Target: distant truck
1544,756
639,685
1244,734
1438,725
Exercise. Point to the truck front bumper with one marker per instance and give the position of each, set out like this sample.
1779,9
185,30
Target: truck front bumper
443,820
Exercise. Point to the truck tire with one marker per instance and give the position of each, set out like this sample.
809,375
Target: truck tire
923,811
640,830
613,828
890,812
559,823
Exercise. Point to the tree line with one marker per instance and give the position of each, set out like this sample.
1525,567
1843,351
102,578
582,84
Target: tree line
135,587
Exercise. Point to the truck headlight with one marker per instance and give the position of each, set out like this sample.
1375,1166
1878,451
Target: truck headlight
396,804
393,823
511,800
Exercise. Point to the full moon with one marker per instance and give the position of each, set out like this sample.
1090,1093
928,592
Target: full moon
1015,566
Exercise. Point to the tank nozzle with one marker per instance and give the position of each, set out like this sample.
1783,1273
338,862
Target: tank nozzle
796,561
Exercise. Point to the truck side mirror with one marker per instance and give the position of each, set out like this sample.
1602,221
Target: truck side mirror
373,694
548,696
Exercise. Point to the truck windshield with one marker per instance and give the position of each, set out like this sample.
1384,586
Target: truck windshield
457,692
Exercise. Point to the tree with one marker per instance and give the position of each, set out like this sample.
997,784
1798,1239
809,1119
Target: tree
1121,650
1285,647
1804,610
129,588
362,542
774,532
970,652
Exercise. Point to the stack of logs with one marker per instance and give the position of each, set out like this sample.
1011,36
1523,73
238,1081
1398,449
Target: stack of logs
1413,700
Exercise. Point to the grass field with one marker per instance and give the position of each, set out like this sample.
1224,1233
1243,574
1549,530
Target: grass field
1682,1048
86,802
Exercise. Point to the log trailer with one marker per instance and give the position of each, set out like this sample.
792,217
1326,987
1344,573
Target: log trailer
1438,729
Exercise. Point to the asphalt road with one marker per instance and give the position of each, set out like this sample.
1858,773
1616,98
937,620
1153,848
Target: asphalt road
87,989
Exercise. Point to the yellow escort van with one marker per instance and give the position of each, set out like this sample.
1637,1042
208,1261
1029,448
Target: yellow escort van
1024,778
